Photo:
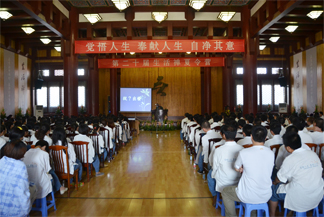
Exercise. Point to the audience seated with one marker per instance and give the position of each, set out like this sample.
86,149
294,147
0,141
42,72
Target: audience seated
275,129
42,134
2,133
300,124
247,129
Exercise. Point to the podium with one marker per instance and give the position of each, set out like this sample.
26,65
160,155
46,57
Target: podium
159,114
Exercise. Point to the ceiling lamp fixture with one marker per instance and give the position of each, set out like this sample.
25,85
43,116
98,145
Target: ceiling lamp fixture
197,4
131,53
45,40
92,18
160,52
5,15
159,16
291,28
121,4
28,30
274,39
226,16
58,48
314,14
261,47
188,52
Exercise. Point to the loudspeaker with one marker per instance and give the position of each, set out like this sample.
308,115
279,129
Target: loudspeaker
282,81
39,84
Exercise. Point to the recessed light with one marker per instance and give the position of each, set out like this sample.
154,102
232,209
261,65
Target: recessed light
131,53
160,52
197,4
45,40
261,47
5,15
28,30
274,39
159,16
314,14
188,52
58,49
92,18
291,28
226,16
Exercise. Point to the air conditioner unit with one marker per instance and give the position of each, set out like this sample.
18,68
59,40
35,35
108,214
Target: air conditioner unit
38,111
283,108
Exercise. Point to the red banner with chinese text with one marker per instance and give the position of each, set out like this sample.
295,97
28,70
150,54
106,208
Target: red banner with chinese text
161,62
167,46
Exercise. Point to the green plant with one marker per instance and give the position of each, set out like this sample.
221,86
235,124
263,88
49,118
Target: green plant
19,113
27,114
3,114
83,110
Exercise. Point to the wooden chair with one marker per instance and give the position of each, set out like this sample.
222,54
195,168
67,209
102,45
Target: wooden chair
247,146
82,153
56,153
320,146
95,140
312,146
210,142
217,129
275,149
106,137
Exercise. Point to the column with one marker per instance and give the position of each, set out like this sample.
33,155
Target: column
93,85
207,90
228,84
113,91
249,65
202,79
70,68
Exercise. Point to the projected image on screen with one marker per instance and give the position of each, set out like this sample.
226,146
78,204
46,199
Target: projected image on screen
135,99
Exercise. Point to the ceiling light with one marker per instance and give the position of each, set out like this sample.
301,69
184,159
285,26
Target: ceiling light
197,4
226,16
291,28
58,49
188,52
274,39
131,53
5,15
45,40
314,14
160,52
159,16
121,4
261,47
92,18
28,30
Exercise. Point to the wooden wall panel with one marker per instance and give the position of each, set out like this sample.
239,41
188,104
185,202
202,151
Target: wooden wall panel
217,89
182,95
1,79
304,71
104,90
16,84
320,76
292,83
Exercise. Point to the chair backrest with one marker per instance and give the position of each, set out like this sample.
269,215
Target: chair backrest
32,146
81,150
212,141
191,128
320,146
105,135
312,146
216,128
29,143
201,136
56,153
247,146
194,142
275,149
95,140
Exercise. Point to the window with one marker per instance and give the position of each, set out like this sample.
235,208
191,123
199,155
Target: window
261,71
80,72
42,97
239,94
62,96
46,72
239,71
266,94
279,93
258,93
275,71
58,72
54,93
81,96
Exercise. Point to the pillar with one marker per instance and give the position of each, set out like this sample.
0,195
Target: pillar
113,91
202,79
71,67
207,90
228,84
93,85
249,65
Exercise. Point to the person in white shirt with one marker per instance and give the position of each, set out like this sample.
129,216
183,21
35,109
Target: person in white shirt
59,138
247,129
318,135
264,121
275,128
216,121
92,158
102,147
283,129
299,181
300,124
249,119
42,134
224,157
2,132
321,115
255,164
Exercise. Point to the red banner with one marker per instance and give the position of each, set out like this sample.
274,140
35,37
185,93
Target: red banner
161,62
167,46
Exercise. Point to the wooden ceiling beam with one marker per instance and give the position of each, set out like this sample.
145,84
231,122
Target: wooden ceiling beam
299,20
286,33
33,35
12,23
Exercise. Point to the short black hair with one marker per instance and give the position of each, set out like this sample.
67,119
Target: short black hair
299,123
259,133
230,131
291,128
15,149
275,127
205,124
250,119
257,122
263,117
281,120
292,140
42,143
83,129
247,129
16,133
241,123
319,123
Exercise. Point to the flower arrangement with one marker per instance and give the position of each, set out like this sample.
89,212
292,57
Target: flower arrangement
316,109
3,114
27,114
168,126
83,110
19,113
269,108
227,110
302,111
238,109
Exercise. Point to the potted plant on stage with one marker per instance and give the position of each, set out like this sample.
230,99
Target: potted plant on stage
27,115
19,114
83,110
3,114
269,108
58,110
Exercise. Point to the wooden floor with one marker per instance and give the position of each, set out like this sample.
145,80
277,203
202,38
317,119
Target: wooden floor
151,176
